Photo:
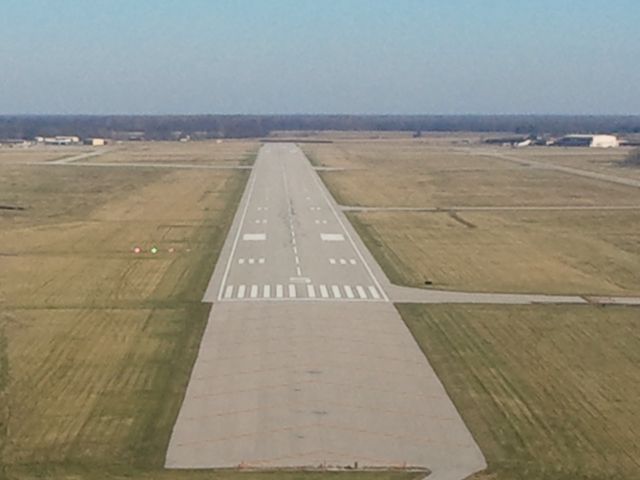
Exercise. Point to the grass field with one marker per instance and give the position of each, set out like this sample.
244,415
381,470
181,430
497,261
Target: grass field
98,342
609,161
549,393
584,252
227,153
38,154
414,173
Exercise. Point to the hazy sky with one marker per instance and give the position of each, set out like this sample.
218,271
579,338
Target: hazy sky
320,56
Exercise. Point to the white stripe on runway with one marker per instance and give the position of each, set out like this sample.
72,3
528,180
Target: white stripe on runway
267,291
251,261
254,237
374,292
292,291
241,291
323,291
349,292
279,289
336,291
241,261
254,291
343,261
352,261
228,292
332,261
311,291
361,292
261,261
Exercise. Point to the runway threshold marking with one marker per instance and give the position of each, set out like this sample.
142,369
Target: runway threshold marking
311,292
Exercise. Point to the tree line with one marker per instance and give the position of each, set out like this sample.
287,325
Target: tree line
168,127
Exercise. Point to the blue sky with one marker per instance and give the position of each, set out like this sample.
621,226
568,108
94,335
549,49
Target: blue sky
320,56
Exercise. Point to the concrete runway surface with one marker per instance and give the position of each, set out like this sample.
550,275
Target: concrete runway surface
304,361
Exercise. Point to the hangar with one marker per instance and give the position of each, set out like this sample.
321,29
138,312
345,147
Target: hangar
593,141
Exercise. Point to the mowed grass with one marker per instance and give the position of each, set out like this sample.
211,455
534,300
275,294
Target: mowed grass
549,392
209,152
563,252
419,173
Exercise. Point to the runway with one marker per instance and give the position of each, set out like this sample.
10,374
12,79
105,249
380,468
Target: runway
305,362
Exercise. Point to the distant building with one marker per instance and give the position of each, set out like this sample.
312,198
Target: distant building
95,142
59,140
15,143
593,141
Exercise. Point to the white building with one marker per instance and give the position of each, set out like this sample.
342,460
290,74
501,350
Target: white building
60,140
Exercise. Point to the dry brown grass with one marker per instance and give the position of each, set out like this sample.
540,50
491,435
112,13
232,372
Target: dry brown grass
609,161
418,173
537,252
549,393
